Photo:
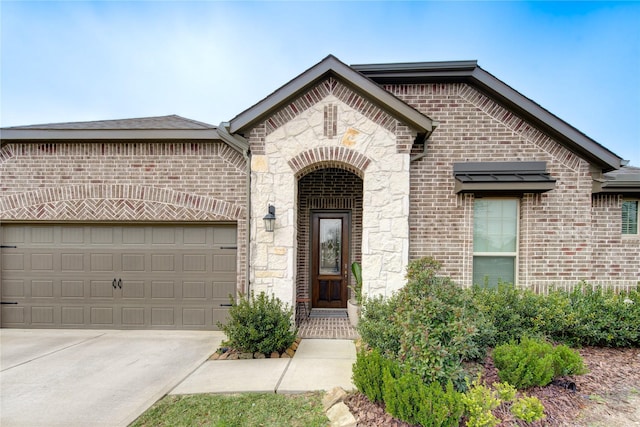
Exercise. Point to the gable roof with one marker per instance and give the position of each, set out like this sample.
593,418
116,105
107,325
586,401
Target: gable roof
470,72
331,66
162,127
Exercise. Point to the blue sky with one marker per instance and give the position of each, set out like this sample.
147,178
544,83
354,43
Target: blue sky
207,60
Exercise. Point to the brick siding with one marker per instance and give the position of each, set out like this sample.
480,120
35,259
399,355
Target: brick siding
126,181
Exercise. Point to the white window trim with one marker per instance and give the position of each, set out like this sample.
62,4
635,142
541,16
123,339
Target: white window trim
637,233
515,254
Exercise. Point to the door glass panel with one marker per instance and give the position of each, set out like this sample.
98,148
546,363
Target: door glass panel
330,246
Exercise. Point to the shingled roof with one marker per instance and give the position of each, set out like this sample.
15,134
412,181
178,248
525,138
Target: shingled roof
161,127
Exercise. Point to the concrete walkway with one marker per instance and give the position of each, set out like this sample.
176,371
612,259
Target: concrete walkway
109,378
319,364
92,377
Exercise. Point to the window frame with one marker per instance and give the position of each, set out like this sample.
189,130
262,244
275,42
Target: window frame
515,255
622,231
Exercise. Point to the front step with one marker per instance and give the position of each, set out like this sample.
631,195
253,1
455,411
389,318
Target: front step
328,313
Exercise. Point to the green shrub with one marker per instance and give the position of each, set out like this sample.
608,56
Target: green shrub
605,318
259,324
377,327
409,399
528,409
430,326
534,362
368,373
586,316
479,402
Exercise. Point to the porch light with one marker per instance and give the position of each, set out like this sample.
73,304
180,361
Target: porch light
270,219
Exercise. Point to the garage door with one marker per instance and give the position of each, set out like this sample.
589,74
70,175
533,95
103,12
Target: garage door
117,276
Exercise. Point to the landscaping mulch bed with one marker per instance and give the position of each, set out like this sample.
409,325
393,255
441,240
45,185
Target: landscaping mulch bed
229,353
614,373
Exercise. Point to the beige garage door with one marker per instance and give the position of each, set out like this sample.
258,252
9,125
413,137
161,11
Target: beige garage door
117,276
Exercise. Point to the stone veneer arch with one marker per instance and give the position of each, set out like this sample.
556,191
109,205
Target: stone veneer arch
328,157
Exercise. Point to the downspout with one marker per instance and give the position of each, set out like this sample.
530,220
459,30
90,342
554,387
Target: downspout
242,145
424,141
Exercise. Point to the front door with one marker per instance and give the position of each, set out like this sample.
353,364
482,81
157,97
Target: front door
330,259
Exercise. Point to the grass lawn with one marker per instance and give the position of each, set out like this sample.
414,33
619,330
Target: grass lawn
251,409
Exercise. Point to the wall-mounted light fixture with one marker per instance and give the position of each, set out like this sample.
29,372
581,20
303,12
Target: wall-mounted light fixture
270,219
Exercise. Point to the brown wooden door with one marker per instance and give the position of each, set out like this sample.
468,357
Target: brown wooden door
330,259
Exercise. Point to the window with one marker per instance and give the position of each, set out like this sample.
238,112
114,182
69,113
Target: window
495,241
630,217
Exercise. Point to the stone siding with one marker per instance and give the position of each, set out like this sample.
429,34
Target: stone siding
126,181
360,140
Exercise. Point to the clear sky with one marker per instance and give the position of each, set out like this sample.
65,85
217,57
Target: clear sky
209,60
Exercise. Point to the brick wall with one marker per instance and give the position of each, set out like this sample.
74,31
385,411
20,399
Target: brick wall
125,181
329,188
562,239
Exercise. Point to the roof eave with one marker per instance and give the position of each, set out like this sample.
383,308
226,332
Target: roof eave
41,135
331,66
470,72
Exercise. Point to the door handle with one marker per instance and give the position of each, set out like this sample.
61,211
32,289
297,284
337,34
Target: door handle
119,283
113,283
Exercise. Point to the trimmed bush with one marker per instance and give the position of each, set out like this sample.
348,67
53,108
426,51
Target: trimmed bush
409,399
479,401
534,362
528,408
586,316
430,326
259,324
368,373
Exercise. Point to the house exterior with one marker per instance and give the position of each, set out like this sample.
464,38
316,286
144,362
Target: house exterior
154,222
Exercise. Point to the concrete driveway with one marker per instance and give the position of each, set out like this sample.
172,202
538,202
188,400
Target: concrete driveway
93,377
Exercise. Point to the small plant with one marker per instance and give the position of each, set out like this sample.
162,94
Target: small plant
534,362
356,269
527,409
368,373
259,324
429,405
479,402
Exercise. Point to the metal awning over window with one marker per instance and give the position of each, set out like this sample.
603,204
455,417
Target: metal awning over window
502,177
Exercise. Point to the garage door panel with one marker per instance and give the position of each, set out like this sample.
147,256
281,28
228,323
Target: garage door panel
162,262
73,316
13,316
162,289
102,315
171,276
41,235
42,315
194,262
72,235
133,316
132,262
102,289
72,289
162,316
13,262
194,316
223,290
224,262
72,262
13,288
133,289
101,262
42,288
42,262
194,290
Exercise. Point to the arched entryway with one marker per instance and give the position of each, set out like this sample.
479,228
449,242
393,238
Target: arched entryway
329,235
